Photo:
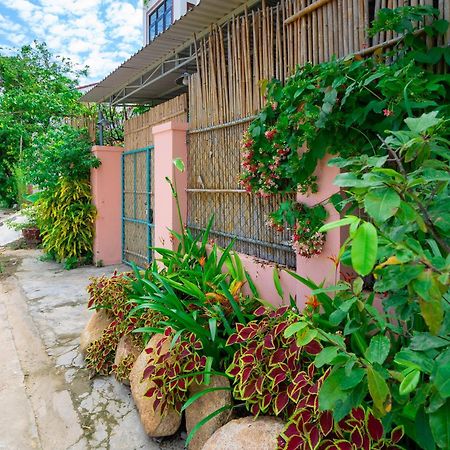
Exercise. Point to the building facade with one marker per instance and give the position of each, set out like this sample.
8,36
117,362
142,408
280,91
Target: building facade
159,15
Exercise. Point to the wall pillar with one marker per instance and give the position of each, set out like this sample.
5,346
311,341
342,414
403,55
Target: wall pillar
321,267
107,197
170,143
318,268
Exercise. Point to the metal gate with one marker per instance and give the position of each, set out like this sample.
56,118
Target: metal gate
137,206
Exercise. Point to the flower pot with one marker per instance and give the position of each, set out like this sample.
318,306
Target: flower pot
32,235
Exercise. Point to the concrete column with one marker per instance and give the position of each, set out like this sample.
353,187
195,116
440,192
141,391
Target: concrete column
107,197
318,268
321,267
170,143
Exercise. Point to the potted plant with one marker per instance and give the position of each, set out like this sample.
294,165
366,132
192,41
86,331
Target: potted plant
29,228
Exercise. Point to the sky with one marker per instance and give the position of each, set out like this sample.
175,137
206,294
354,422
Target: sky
100,34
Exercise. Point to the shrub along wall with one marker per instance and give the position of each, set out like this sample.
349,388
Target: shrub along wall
341,373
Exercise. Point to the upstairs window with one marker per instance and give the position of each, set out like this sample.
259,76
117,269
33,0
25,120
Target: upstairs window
160,19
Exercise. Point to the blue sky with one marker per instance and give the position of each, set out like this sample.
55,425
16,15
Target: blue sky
98,33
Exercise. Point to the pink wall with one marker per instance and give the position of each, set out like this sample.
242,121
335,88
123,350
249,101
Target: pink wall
170,143
107,197
317,268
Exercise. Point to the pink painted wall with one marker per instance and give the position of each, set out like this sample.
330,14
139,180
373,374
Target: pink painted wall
321,267
170,143
317,268
107,198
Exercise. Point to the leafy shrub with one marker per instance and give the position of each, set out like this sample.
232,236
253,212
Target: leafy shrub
344,106
195,294
66,219
269,369
173,368
62,152
30,215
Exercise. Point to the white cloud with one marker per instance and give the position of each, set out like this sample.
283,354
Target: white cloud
98,33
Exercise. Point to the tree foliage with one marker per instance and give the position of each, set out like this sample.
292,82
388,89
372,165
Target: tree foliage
37,90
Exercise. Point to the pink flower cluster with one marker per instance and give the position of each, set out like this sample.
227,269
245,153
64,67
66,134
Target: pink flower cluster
262,177
307,244
272,223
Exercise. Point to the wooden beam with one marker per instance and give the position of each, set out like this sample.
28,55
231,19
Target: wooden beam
309,9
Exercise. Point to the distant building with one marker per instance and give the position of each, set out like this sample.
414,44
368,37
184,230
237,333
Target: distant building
159,15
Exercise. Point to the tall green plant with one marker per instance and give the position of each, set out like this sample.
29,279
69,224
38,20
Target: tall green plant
66,218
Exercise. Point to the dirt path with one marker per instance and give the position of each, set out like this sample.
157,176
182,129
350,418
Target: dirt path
47,399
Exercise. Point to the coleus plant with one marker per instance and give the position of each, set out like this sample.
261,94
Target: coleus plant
274,373
270,369
173,365
309,428
110,292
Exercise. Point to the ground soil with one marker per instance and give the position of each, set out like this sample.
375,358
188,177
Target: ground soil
48,400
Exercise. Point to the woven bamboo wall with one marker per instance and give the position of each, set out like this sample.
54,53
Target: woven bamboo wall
138,130
224,94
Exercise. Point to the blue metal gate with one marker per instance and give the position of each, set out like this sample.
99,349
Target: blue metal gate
137,206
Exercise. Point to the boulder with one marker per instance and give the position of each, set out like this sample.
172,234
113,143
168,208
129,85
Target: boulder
126,347
155,423
247,433
94,329
206,405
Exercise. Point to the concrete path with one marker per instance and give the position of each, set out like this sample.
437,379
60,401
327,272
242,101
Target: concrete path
47,400
7,234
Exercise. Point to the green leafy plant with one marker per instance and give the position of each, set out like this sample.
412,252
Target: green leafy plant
305,223
62,152
66,220
30,215
38,91
343,106
270,367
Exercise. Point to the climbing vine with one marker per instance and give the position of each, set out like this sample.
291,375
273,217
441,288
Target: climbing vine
342,107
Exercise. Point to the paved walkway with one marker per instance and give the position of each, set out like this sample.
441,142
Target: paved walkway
47,400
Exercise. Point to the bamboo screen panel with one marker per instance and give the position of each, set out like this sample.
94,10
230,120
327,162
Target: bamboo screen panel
88,123
224,94
213,177
138,130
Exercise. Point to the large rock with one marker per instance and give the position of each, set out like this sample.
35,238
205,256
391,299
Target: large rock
126,347
155,423
94,329
247,434
206,405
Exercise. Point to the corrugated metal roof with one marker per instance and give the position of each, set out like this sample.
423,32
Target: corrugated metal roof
171,41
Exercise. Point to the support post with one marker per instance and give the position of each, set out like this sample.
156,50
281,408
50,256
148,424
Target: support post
322,267
106,184
169,143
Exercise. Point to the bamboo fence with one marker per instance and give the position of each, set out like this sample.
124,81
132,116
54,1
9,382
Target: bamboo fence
138,130
88,123
225,94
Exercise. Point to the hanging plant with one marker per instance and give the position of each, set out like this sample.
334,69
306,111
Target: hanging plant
305,223
266,168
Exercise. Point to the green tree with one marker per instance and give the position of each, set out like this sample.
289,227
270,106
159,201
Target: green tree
37,90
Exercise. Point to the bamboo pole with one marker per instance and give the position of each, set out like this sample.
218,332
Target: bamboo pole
309,9
320,36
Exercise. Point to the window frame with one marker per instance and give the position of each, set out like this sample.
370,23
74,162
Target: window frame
162,12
